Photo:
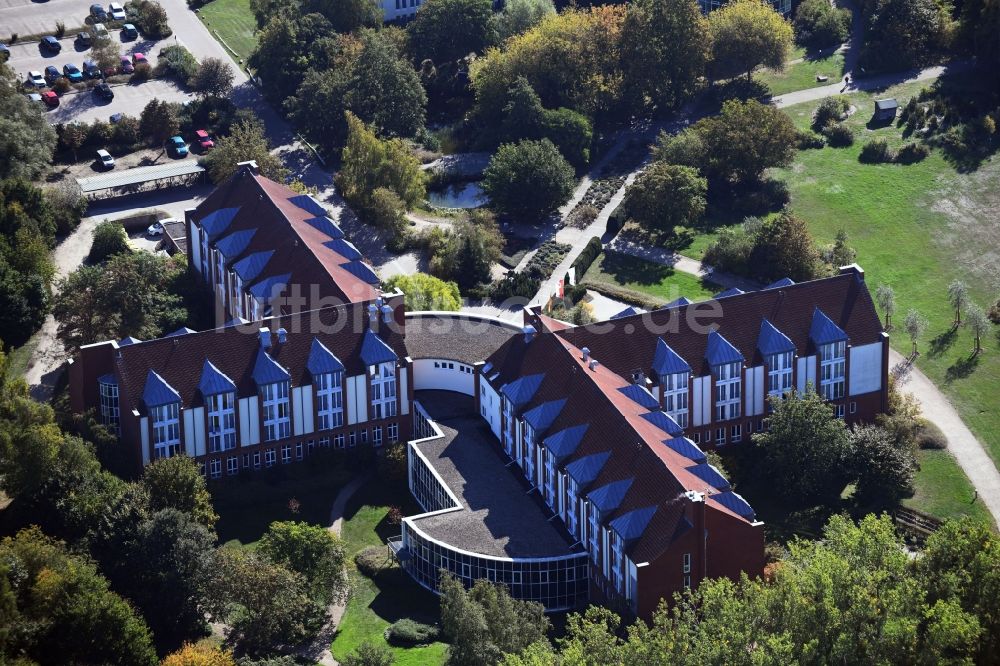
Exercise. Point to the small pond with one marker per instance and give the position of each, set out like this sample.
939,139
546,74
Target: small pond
458,195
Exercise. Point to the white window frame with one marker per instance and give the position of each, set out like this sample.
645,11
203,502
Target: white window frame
286,454
110,411
393,433
277,416
728,390
377,436
329,400
675,396
221,421
833,370
595,531
269,457
779,373
686,563
215,468
383,385
232,465
550,479
166,430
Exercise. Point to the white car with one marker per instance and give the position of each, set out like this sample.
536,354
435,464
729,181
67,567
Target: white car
116,11
36,79
99,30
104,157
155,229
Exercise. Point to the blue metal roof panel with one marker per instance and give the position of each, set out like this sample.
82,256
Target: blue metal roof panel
666,361
609,497
566,441
267,371
640,395
585,469
735,503
522,389
664,422
269,287
250,266
234,244
627,312
213,381
542,416
325,225
218,221
307,203
344,248
183,330
772,341
823,331
683,300
158,392
108,379
708,473
778,284
321,360
631,525
686,448
374,350
128,340
360,269
732,291
720,351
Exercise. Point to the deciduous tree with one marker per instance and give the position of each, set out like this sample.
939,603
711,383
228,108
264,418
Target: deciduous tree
109,239
958,297
978,323
885,466
311,551
29,139
665,196
915,325
529,179
214,78
426,292
176,483
746,34
246,141
158,122
819,24
519,16
886,299
199,655
445,30
783,248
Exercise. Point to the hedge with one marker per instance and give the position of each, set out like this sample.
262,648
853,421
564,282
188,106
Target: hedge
587,257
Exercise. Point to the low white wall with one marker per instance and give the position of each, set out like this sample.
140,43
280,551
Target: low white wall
430,374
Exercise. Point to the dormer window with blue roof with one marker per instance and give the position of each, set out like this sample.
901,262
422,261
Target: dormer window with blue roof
779,354
273,382
674,374
328,381
220,400
383,382
727,369
164,404
831,341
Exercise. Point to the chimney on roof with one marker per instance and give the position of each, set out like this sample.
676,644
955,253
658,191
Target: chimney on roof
386,314
855,269
594,364
372,314
586,354
529,333
250,166
265,337
282,335
639,377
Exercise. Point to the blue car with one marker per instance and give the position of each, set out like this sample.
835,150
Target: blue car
72,72
52,73
176,145
91,70
52,44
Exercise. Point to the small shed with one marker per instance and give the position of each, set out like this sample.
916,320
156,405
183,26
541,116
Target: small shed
886,109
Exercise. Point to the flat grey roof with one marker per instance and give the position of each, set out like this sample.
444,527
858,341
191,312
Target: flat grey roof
144,174
455,336
500,518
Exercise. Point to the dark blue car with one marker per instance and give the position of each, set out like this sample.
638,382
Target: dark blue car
52,73
50,43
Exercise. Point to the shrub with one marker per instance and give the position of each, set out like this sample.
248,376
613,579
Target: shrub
876,151
61,85
912,153
616,221
515,285
410,632
109,239
150,18
839,135
810,141
582,216
590,252
176,61
143,72
929,436
60,29
830,110
371,560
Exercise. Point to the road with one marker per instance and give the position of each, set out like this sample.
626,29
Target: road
34,18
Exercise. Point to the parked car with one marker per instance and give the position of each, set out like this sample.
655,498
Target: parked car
104,157
104,91
91,70
99,30
52,73
84,39
155,229
36,79
34,97
4,52
50,98
205,142
129,31
116,117
139,58
117,11
127,67
72,72
97,11
176,145
51,44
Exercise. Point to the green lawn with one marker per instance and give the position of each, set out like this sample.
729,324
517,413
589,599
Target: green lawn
247,505
802,75
232,23
631,274
392,595
943,490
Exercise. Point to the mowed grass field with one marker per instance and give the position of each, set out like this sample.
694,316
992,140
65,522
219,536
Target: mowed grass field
802,75
231,22
622,271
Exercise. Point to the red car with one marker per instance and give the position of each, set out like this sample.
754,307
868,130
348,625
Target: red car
50,98
204,140
126,64
139,58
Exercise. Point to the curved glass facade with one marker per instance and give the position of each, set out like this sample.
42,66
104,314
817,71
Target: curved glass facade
558,583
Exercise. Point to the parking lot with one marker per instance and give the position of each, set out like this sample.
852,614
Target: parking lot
24,17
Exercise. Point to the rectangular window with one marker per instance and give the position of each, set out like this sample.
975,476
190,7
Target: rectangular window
779,373
353,439
393,432
215,468
675,397
246,461
728,390
277,422
377,436
110,414
687,563
839,410
325,442
298,451
720,436
832,367
687,582
286,454
854,407
594,532
310,445
737,433
330,400
166,430
269,458
221,422
383,384
256,459
364,435
232,465
697,438
338,441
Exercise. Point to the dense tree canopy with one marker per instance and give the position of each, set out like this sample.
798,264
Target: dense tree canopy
524,117
467,253
819,24
176,483
528,179
426,292
313,552
745,35
904,33
26,137
518,16
446,30
666,196
245,142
